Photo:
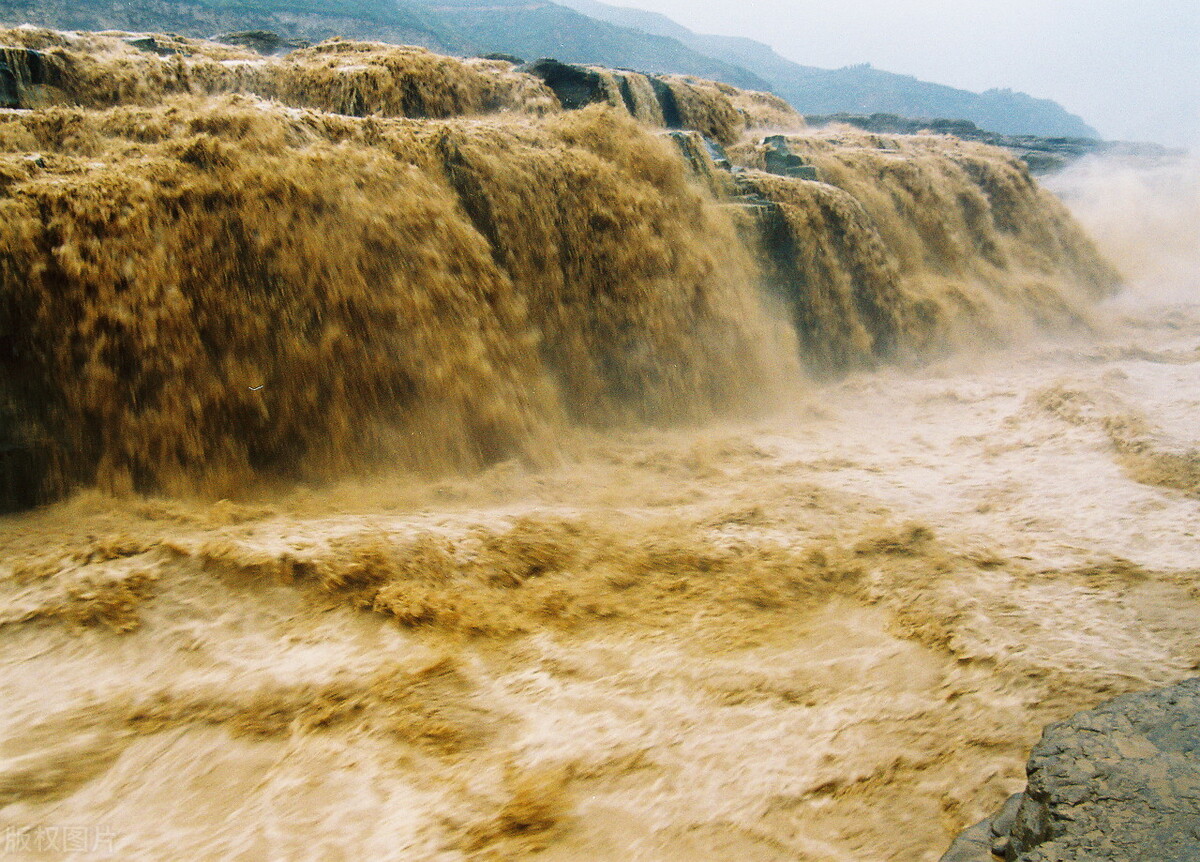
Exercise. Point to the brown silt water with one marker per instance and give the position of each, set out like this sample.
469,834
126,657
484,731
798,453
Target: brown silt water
402,466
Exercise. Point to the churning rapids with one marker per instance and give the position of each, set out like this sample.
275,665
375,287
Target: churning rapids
431,472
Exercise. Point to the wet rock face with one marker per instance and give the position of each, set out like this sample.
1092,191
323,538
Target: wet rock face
575,86
703,154
24,463
782,161
10,96
1119,782
578,86
21,69
987,840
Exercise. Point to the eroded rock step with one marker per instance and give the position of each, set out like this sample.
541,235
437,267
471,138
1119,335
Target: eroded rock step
1117,783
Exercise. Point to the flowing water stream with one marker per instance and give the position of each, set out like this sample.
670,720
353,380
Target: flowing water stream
576,563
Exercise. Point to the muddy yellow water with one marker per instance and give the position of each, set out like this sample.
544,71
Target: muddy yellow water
828,634
219,268
452,489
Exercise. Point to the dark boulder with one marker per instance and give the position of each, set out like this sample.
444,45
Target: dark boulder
1116,783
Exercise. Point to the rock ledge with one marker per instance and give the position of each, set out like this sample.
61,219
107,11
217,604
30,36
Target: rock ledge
1118,782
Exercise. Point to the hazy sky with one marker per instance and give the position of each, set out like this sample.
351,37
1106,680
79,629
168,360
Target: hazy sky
1130,69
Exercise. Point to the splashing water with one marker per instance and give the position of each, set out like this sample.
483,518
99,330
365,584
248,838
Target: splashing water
586,568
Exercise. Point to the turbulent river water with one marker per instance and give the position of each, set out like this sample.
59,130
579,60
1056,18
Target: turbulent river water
828,633
539,541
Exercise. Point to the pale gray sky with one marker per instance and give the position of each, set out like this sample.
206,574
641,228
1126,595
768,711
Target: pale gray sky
1130,68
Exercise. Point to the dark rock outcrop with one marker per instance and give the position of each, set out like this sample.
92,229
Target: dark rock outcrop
151,45
894,124
262,41
781,160
1117,783
703,154
987,840
1043,155
10,95
23,470
575,86
672,118
24,462
20,70
506,58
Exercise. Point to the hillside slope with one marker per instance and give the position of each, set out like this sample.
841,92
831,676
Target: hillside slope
858,89
577,31
388,20
544,29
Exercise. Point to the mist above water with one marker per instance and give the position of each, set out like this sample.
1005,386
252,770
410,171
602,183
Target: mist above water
208,290
1146,218
588,568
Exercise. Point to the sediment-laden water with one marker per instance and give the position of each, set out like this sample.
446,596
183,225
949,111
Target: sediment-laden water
494,485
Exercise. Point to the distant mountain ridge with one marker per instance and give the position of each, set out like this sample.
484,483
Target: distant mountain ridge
539,28
574,31
858,89
384,20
